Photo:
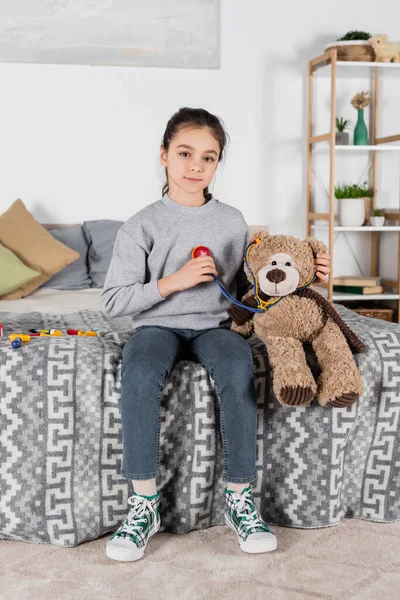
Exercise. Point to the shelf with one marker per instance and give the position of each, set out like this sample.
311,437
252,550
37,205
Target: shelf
358,70
324,143
363,228
323,225
369,228
342,296
351,297
357,149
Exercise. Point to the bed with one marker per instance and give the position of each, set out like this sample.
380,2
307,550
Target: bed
60,426
61,444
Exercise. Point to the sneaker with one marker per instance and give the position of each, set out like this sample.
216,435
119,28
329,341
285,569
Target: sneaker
242,516
143,520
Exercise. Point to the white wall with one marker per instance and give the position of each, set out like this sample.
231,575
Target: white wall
80,142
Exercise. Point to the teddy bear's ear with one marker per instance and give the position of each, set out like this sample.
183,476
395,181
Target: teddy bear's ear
258,233
317,247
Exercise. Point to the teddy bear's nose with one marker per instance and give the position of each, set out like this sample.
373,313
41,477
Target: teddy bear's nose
276,275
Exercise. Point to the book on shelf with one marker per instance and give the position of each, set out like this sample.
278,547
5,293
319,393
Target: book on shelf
359,281
358,289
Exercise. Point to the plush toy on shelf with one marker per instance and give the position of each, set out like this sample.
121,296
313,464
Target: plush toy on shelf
290,313
385,51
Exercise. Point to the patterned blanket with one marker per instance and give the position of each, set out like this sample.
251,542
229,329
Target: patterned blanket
61,444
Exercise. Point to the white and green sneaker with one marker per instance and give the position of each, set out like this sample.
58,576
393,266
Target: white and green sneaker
242,516
143,520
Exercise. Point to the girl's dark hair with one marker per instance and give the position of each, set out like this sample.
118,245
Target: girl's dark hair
198,117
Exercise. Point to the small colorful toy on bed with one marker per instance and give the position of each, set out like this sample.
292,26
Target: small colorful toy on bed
80,332
55,332
26,337
16,343
1,329
16,339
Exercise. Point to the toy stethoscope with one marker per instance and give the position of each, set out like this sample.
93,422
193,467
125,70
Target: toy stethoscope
261,304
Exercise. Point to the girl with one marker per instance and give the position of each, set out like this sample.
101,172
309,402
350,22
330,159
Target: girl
177,306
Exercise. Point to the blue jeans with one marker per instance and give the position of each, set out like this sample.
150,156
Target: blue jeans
149,357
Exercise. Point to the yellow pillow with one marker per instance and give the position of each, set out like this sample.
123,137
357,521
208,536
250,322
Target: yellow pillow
13,272
34,246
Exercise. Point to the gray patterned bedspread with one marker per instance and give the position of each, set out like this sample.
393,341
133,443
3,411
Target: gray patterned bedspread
61,444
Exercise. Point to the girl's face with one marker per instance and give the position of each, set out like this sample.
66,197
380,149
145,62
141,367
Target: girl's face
191,159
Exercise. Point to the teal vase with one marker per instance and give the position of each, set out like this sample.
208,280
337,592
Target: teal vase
360,130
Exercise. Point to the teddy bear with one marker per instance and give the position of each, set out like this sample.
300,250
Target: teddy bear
384,51
281,268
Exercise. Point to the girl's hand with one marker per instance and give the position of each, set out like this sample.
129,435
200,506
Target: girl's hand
195,271
322,265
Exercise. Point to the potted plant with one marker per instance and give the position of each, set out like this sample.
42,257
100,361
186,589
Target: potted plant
351,203
378,218
342,137
353,46
360,101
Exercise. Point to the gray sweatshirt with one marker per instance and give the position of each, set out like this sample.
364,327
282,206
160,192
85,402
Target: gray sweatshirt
156,242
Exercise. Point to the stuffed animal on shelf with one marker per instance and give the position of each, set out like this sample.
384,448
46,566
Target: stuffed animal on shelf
290,313
385,51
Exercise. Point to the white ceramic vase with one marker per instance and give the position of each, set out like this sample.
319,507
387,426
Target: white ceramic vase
351,211
377,221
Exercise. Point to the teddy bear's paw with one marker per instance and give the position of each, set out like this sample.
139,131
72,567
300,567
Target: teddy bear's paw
344,400
244,330
296,395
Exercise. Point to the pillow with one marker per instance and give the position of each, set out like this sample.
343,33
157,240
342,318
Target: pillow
101,236
36,247
76,275
13,272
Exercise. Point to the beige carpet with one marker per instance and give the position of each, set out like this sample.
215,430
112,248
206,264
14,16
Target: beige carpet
356,560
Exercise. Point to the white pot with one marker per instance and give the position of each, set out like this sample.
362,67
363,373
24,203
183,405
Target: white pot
377,221
351,211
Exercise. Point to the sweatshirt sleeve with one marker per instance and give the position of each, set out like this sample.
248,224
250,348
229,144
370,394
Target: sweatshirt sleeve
125,290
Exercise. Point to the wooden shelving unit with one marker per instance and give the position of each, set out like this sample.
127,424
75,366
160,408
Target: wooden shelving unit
327,65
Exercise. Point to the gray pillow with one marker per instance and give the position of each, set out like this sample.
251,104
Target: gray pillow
76,275
101,236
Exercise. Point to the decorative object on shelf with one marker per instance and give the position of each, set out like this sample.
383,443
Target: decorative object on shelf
353,46
392,217
342,137
360,101
385,51
359,289
386,314
378,217
351,203
357,280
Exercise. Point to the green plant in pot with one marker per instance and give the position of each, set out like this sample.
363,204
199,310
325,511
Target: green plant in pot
354,35
378,217
342,137
351,200
360,101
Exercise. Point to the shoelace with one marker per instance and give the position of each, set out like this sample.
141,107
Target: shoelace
140,506
250,517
